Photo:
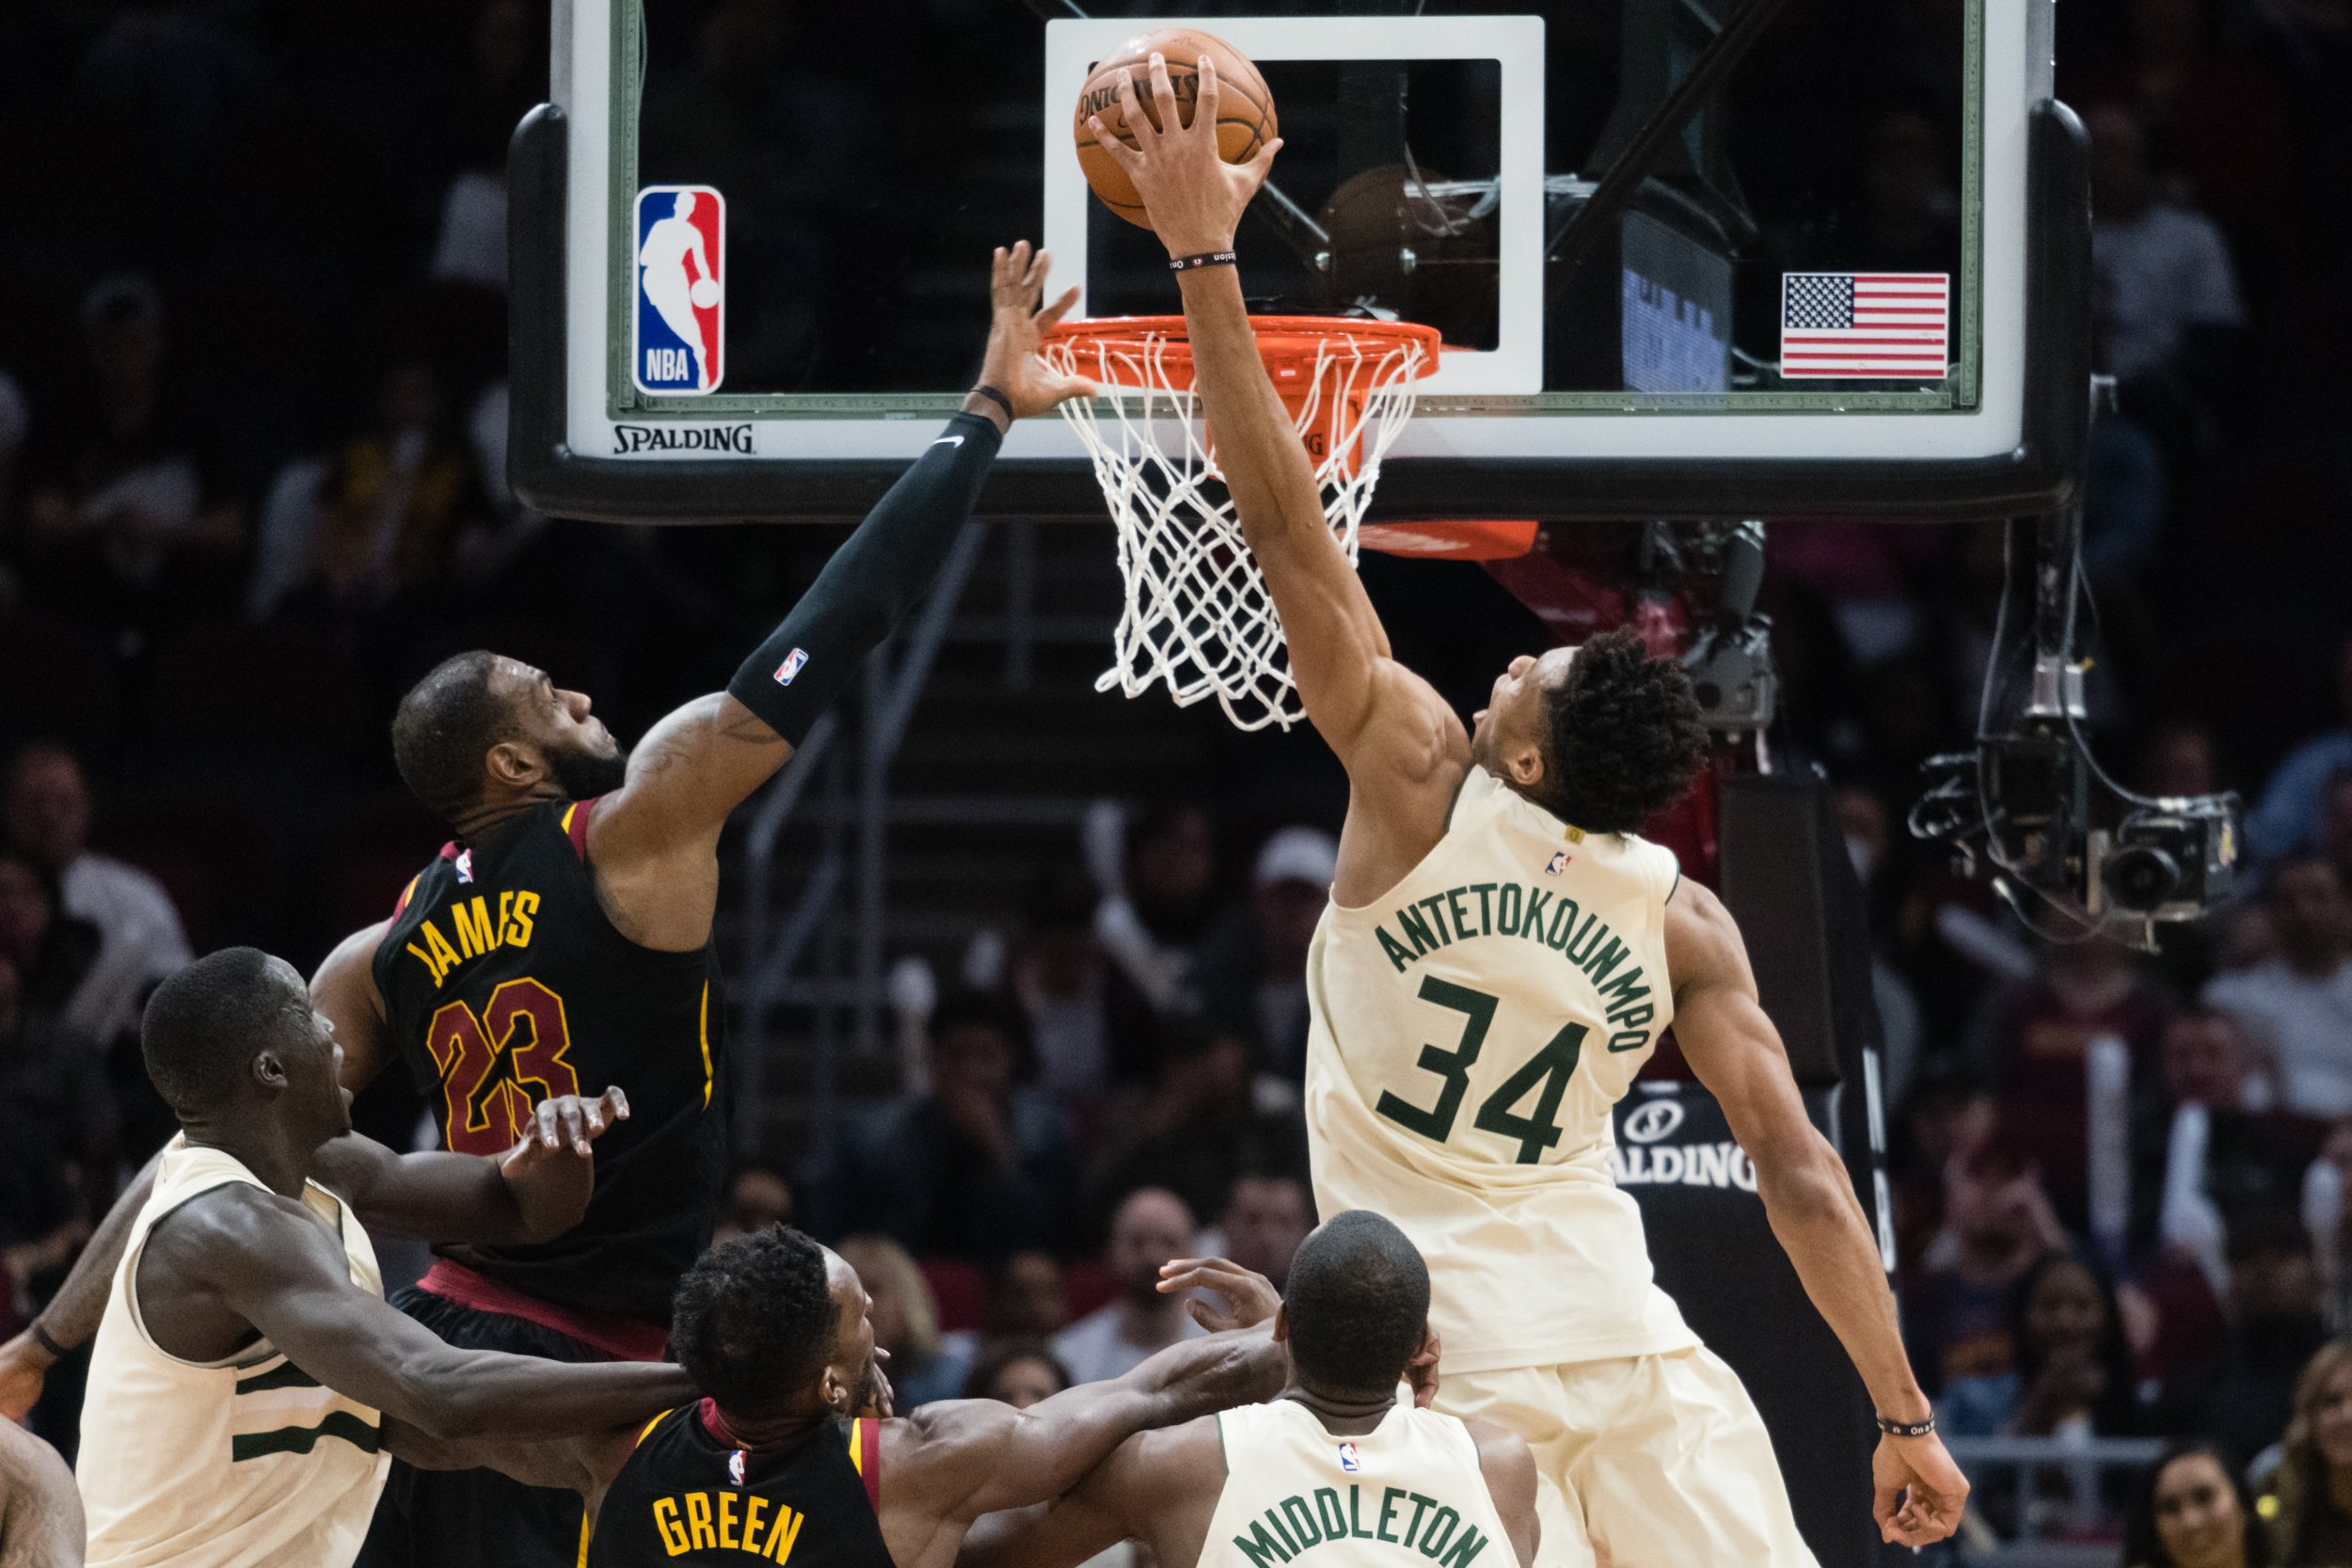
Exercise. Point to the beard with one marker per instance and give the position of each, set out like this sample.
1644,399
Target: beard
584,775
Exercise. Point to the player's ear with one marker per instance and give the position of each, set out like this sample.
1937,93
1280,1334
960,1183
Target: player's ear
512,764
1281,1325
835,1392
269,1071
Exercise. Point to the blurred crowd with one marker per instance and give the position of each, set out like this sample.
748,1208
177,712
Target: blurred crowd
252,420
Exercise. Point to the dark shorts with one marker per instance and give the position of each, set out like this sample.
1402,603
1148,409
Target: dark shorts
476,1518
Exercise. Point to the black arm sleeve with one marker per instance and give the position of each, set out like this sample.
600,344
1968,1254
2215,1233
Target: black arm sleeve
869,583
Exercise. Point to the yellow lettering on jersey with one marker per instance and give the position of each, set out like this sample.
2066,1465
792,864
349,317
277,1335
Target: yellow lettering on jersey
514,911
439,956
787,1530
665,1521
476,934
698,1521
726,1520
752,1507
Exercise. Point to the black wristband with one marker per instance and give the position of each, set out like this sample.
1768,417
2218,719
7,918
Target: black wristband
1907,1428
985,390
41,1336
1206,258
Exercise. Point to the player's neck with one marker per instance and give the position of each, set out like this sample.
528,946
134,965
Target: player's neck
277,1158
1345,1416
493,815
762,1432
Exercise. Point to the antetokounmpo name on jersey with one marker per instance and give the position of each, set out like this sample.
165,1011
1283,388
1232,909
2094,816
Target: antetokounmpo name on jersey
1523,913
1402,1518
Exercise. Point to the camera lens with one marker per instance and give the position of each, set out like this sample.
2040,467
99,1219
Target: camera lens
2141,877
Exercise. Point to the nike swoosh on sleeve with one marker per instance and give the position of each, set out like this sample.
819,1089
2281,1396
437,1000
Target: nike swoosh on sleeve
948,441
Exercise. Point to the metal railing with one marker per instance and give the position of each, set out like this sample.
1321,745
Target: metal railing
769,962
2079,1466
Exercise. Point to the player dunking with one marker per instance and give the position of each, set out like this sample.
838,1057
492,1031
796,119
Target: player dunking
562,943
1499,957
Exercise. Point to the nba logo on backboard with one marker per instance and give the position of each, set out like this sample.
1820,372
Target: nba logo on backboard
680,333
1349,1460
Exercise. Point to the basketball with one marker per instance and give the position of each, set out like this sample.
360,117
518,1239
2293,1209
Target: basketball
1245,112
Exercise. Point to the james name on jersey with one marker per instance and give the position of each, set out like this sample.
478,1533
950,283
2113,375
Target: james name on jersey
1511,912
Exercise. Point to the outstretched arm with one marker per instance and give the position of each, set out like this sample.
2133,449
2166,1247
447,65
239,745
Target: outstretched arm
263,1259
1376,714
1819,1222
704,760
535,1192
977,1456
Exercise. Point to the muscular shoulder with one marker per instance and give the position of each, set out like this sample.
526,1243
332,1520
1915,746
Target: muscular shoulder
1703,943
230,1233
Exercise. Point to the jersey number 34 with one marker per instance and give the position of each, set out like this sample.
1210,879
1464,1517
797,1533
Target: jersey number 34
1545,1074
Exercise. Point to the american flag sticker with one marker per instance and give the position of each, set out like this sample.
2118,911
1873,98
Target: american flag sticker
1870,326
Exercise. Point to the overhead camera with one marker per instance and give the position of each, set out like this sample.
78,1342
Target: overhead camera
2031,808
2167,862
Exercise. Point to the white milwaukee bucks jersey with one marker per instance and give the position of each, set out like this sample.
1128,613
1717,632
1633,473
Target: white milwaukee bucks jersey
1471,1030
247,1460
1409,1490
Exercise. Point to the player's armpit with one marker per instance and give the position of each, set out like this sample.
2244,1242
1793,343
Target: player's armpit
1509,1468
1093,1517
585,1463
344,990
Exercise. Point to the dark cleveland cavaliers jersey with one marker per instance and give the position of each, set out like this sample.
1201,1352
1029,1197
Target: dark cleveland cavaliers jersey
504,984
689,1495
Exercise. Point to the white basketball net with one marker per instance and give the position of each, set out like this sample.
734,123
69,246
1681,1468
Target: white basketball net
1198,619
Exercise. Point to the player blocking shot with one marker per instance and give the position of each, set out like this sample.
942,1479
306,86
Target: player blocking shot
1499,955
560,945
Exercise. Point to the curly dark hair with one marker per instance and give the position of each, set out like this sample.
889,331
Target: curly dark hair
753,1321
1625,739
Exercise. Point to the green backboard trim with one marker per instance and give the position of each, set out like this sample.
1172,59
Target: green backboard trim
1961,392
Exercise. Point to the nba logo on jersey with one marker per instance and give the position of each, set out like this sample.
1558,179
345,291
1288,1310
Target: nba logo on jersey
680,334
735,1466
465,866
1558,862
1349,1460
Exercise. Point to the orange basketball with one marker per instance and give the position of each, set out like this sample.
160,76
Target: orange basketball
1244,110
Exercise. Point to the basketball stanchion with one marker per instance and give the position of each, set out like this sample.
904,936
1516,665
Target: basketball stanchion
1198,619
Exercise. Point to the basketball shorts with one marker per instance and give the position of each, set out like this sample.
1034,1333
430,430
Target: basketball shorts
476,1518
1645,1462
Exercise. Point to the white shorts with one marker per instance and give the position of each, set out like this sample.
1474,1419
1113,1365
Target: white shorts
1646,1462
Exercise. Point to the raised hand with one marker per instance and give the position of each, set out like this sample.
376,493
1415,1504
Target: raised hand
1919,1493
1251,1296
1194,197
565,1122
551,1173
1011,364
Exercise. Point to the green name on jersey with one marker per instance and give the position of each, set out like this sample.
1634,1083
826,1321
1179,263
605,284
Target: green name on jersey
1301,1522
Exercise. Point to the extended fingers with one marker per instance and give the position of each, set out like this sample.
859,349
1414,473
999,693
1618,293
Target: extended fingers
1117,151
1205,99
1059,308
1163,97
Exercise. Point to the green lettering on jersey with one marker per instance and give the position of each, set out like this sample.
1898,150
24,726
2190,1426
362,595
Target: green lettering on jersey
1259,1547
1398,953
1465,1550
1418,929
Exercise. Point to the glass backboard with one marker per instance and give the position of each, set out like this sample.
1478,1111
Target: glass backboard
1687,257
